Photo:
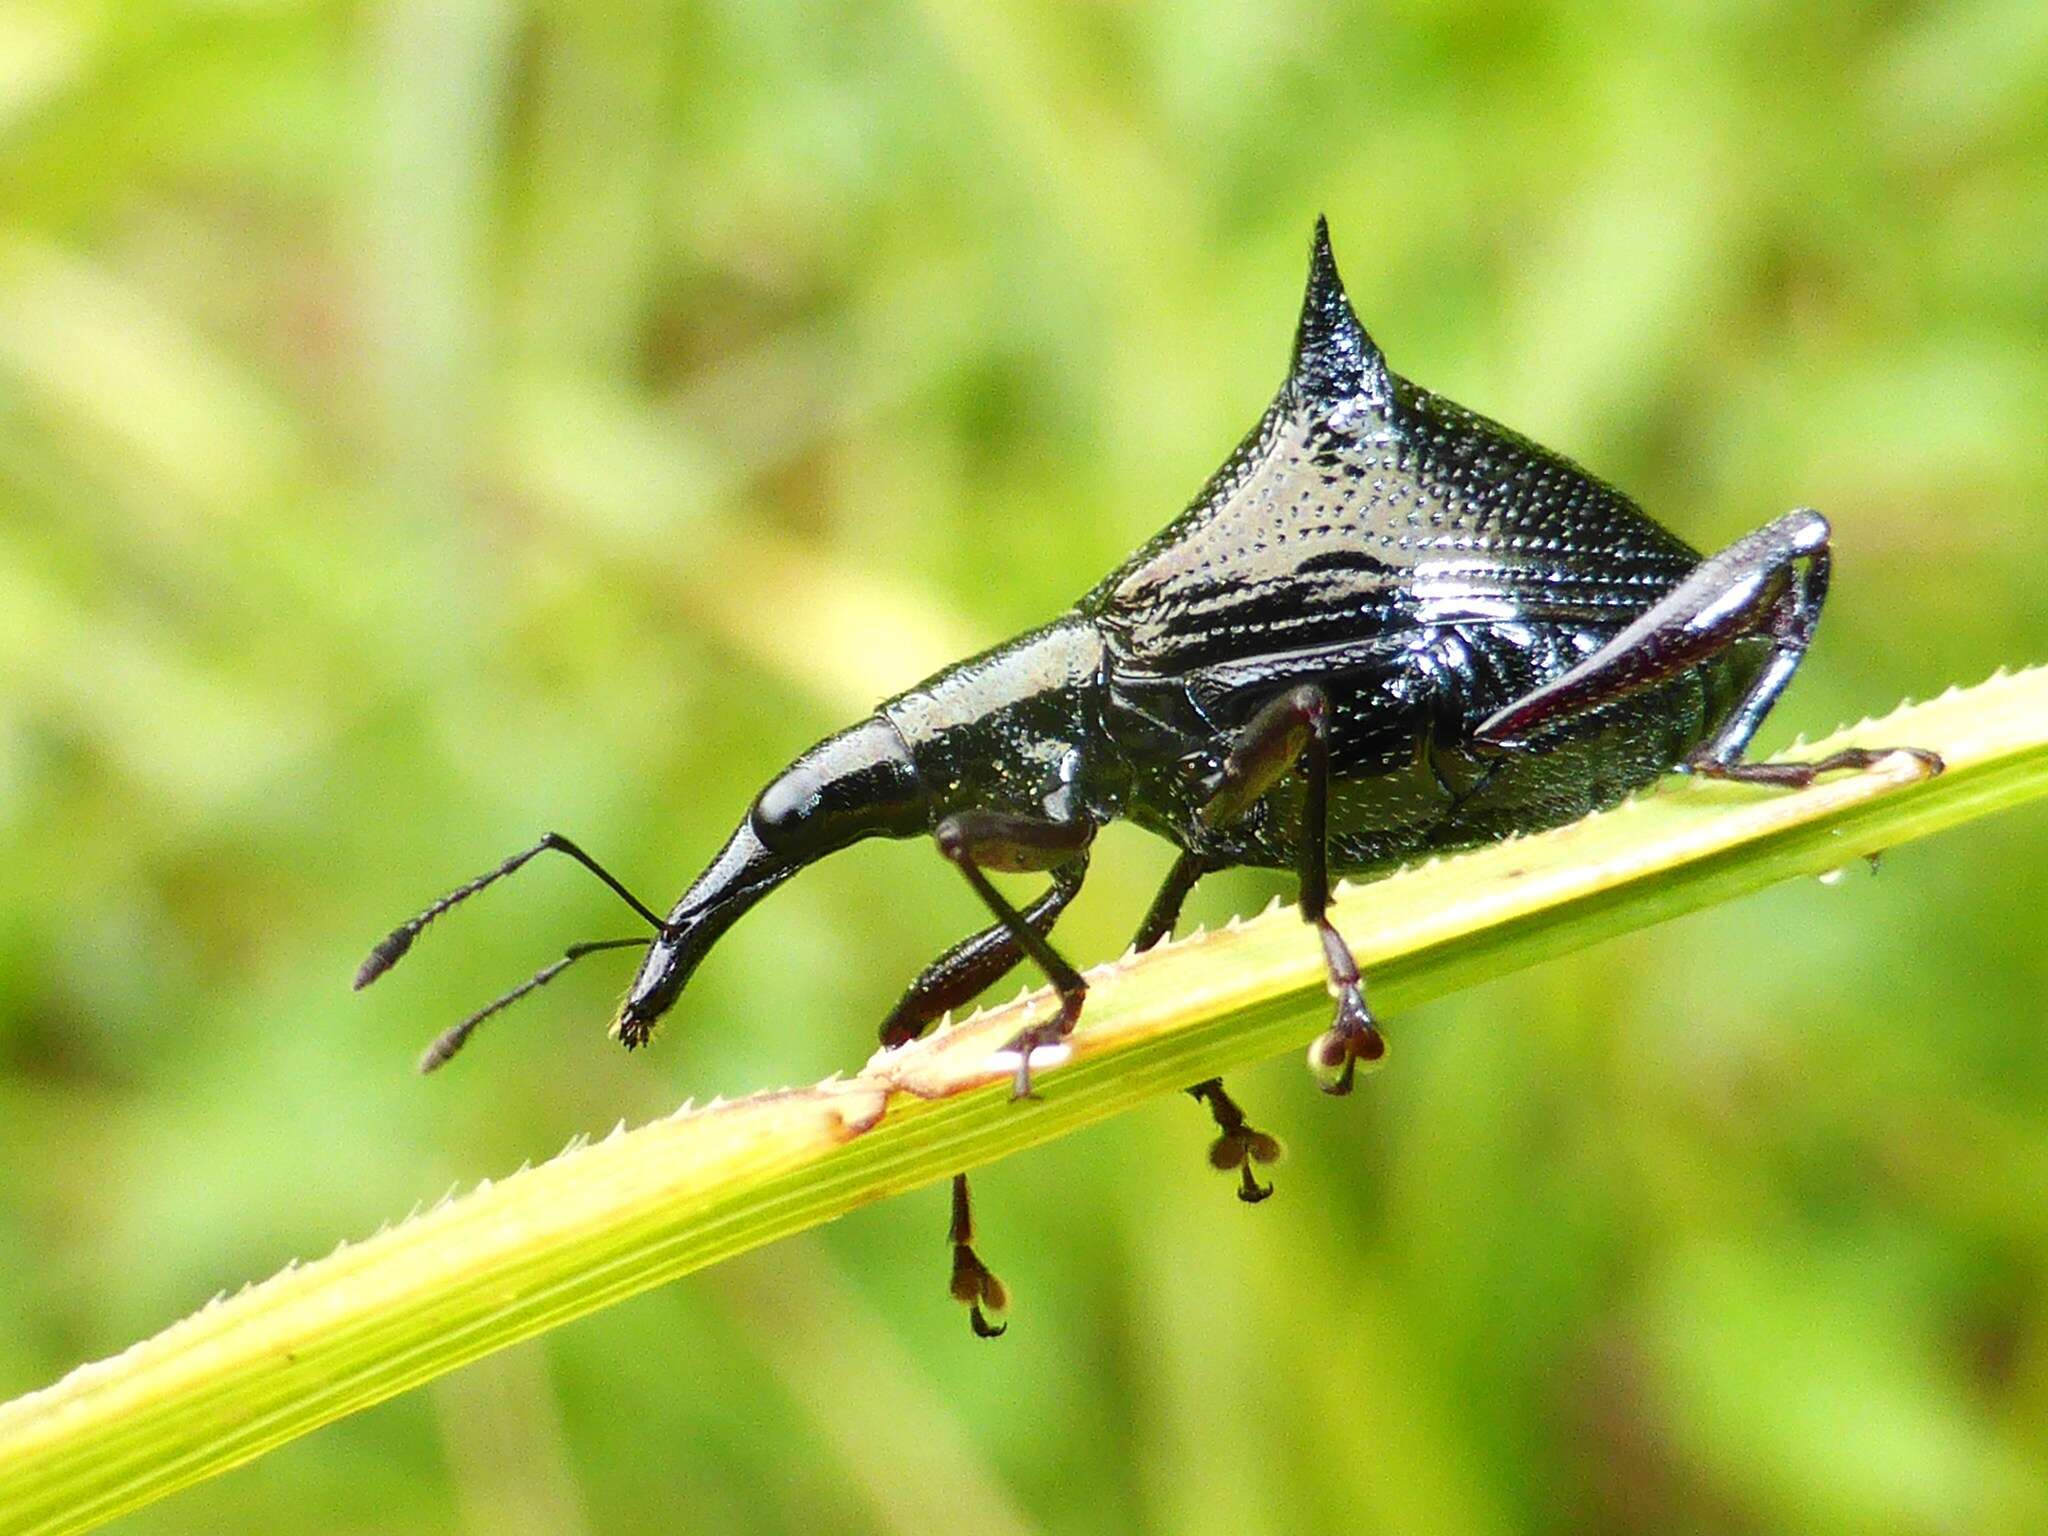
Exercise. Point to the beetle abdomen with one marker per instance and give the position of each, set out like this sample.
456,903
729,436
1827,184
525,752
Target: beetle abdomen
1405,780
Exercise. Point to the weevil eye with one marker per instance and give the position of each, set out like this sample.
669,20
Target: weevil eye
783,807
802,816
857,784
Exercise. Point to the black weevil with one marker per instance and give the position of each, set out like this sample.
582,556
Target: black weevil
1387,626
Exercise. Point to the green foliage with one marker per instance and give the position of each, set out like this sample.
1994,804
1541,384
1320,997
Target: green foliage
426,424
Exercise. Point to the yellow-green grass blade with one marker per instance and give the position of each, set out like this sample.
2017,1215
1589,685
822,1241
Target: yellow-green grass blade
604,1221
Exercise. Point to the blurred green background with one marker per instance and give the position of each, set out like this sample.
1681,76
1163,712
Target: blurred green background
425,424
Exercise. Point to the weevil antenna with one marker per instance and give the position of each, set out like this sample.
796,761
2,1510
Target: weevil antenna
391,949
453,1040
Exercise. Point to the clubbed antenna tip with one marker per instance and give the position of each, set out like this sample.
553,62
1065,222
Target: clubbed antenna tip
389,951
442,1051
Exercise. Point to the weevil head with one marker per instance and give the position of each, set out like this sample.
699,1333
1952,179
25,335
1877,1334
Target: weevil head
860,783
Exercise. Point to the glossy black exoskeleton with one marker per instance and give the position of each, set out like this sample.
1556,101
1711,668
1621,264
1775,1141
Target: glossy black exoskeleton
1387,626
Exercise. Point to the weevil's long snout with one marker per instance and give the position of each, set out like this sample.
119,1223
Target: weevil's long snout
859,783
741,875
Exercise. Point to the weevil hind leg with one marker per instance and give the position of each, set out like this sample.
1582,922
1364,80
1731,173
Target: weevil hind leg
1291,734
1770,584
1791,625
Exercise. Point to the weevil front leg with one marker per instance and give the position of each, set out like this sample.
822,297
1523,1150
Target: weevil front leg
972,840
1238,1143
978,961
1770,583
1294,730
974,1284
978,841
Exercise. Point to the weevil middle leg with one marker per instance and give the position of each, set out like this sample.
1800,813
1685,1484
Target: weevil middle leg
1293,732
